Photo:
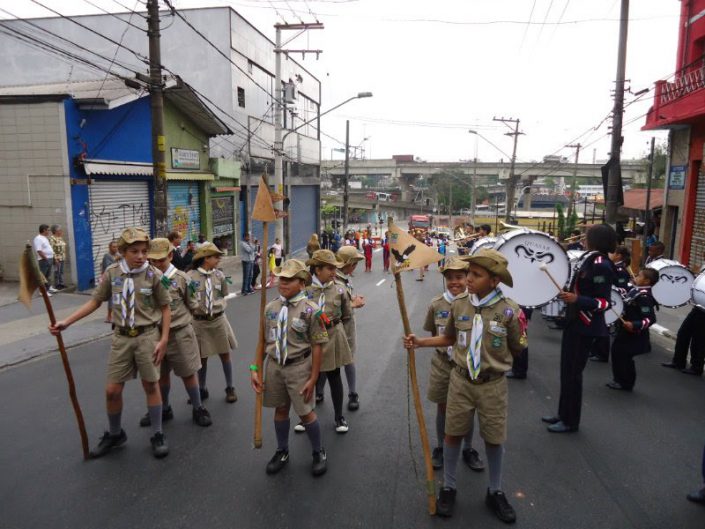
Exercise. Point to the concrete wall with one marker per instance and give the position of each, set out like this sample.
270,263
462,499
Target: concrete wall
33,179
672,217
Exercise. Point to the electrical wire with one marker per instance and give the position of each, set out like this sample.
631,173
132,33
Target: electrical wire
128,22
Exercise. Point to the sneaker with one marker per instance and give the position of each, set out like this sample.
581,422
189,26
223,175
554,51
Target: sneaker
445,502
698,496
353,402
167,415
437,458
300,428
320,398
498,503
201,417
230,395
204,395
278,461
160,448
320,463
49,294
107,443
341,425
52,290
473,460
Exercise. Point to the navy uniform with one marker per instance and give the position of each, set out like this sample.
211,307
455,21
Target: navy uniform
622,277
601,346
639,309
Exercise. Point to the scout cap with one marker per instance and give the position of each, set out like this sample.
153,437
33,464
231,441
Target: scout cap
349,255
323,258
494,262
293,268
454,263
207,250
132,235
159,248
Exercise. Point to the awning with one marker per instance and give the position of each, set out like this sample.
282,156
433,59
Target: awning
636,199
115,167
189,176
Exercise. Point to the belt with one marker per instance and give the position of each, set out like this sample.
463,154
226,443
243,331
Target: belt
290,361
482,378
205,317
134,331
333,323
174,329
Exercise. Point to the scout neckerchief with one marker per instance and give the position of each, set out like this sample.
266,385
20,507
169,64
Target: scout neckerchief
450,298
127,300
321,299
209,290
281,342
168,275
475,347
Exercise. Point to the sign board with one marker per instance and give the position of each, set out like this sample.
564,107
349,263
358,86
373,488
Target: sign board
676,178
223,215
185,159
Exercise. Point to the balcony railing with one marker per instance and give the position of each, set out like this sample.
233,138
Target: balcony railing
684,84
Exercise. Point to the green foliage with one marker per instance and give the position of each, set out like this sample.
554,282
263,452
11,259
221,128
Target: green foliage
440,185
328,210
564,226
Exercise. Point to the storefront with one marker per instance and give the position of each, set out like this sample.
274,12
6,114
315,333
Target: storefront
184,209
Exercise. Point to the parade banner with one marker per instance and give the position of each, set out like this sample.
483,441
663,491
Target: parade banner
407,252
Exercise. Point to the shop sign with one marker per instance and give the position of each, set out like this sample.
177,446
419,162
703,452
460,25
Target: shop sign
223,215
185,159
676,178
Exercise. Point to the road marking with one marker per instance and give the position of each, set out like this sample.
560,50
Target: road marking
231,296
663,331
380,282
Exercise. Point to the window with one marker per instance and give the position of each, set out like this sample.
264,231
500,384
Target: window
240,97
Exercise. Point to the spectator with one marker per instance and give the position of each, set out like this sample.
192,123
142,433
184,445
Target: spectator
58,245
335,244
256,266
325,240
188,254
247,257
312,245
201,240
45,255
177,259
110,258
278,252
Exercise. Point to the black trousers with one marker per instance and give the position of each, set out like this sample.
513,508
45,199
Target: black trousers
623,368
601,348
520,364
575,349
691,333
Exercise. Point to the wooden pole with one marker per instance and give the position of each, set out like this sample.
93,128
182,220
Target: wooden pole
430,483
259,355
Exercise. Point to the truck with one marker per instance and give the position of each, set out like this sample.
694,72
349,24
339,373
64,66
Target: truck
419,225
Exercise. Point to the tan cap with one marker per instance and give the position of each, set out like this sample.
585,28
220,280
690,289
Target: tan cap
159,248
349,255
322,258
131,236
454,263
206,250
494,262
293,268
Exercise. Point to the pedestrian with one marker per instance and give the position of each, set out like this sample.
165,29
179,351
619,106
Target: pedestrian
247,258
587,300
278,252
138,346
189,252
209,286
632,336
325,240
699,495
111,257
385,252
655,252
271,265
335,245
58,245
256,264
520,363
455,275
484,328
312,245
182,355
442,251
45,256
367,248
294,336
178,259
201,241
349,257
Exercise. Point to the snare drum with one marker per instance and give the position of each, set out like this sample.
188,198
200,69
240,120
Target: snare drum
482,244
613,314
673,288
697,291
526,251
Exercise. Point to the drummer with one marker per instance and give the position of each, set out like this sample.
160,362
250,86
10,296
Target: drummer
655,252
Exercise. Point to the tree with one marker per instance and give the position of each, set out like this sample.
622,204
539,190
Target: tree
565,227
440,184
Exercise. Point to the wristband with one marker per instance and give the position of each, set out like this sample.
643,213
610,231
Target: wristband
253,368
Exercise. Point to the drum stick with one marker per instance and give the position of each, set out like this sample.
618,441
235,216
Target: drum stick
544,268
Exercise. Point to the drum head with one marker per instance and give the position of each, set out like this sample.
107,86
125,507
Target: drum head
612,316
698,291
674,283
527,251
483,243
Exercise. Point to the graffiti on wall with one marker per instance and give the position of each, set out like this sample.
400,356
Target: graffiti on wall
108,222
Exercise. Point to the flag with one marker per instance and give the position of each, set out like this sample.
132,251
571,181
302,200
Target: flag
264,203
30,276
407,252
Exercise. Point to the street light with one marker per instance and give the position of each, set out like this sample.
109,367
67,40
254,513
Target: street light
473,198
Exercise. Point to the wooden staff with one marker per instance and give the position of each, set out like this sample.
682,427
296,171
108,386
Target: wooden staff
259,354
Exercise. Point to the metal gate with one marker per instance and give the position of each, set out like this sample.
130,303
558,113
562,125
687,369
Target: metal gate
697,240
184,210
115,206
303,211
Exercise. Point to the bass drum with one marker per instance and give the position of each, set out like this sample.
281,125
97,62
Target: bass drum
553,309
483,243
697,291
613,314
527,251
673,288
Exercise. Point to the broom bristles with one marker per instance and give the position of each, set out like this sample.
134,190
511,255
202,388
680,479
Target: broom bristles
30,276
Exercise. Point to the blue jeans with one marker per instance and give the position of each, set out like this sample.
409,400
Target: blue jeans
247,276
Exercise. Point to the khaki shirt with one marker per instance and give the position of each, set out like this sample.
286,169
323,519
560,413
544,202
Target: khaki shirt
337,303
437,319
198,291
502,334
150,294
183,304
302,330
349,325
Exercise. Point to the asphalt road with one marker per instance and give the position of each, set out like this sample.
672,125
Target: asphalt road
630,466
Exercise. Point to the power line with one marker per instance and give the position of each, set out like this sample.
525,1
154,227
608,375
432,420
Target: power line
128,22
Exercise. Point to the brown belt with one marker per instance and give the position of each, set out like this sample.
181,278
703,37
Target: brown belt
132,332
482,378
290,361
205,317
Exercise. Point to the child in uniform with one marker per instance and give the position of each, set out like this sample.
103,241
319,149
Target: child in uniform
209,286
139,302
455,273
485,330
182,350
632,337
294,336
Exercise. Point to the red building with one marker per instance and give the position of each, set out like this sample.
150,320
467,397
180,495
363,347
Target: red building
679,106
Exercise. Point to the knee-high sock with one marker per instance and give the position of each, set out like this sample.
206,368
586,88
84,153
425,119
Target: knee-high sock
320,383
313,430
194,394
336,391
164,390
155,417
440,427
114,420
202,373
494,461
467,440
350,377
282,430
228,372
451,454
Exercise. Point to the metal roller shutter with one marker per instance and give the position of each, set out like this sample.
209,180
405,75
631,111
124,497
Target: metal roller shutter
697,242
115,206
303,209
184,210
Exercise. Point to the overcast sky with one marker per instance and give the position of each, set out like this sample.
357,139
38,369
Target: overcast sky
440,68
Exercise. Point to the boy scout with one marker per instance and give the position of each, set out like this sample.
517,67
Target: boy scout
139,302
455,273
182,350
294,336
209,286
484,329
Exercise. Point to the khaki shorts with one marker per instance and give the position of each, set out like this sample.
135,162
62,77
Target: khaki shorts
282,385
489,399
182,354
441,367
129,356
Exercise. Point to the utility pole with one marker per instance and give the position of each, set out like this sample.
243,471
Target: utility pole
156,97
647,212
346,176
511,181
450,207
573,183
614,175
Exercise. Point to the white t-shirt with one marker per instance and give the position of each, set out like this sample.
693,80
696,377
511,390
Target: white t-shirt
277,250
41,244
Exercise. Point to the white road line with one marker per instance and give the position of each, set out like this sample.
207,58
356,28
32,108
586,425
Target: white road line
663,331
231,296
380,282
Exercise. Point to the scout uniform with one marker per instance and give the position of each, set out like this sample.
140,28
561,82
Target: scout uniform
442,362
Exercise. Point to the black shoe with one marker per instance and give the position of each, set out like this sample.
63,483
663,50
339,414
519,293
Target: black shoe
353,402
595,358
167,415
561,427
320,398
107,443
445,502
230,395
550,419
691,371
497,502
341,425
278,461
618,386
437,458
671,365
698,496
320,463
160,448
204,395
517,376
472,460
201,417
